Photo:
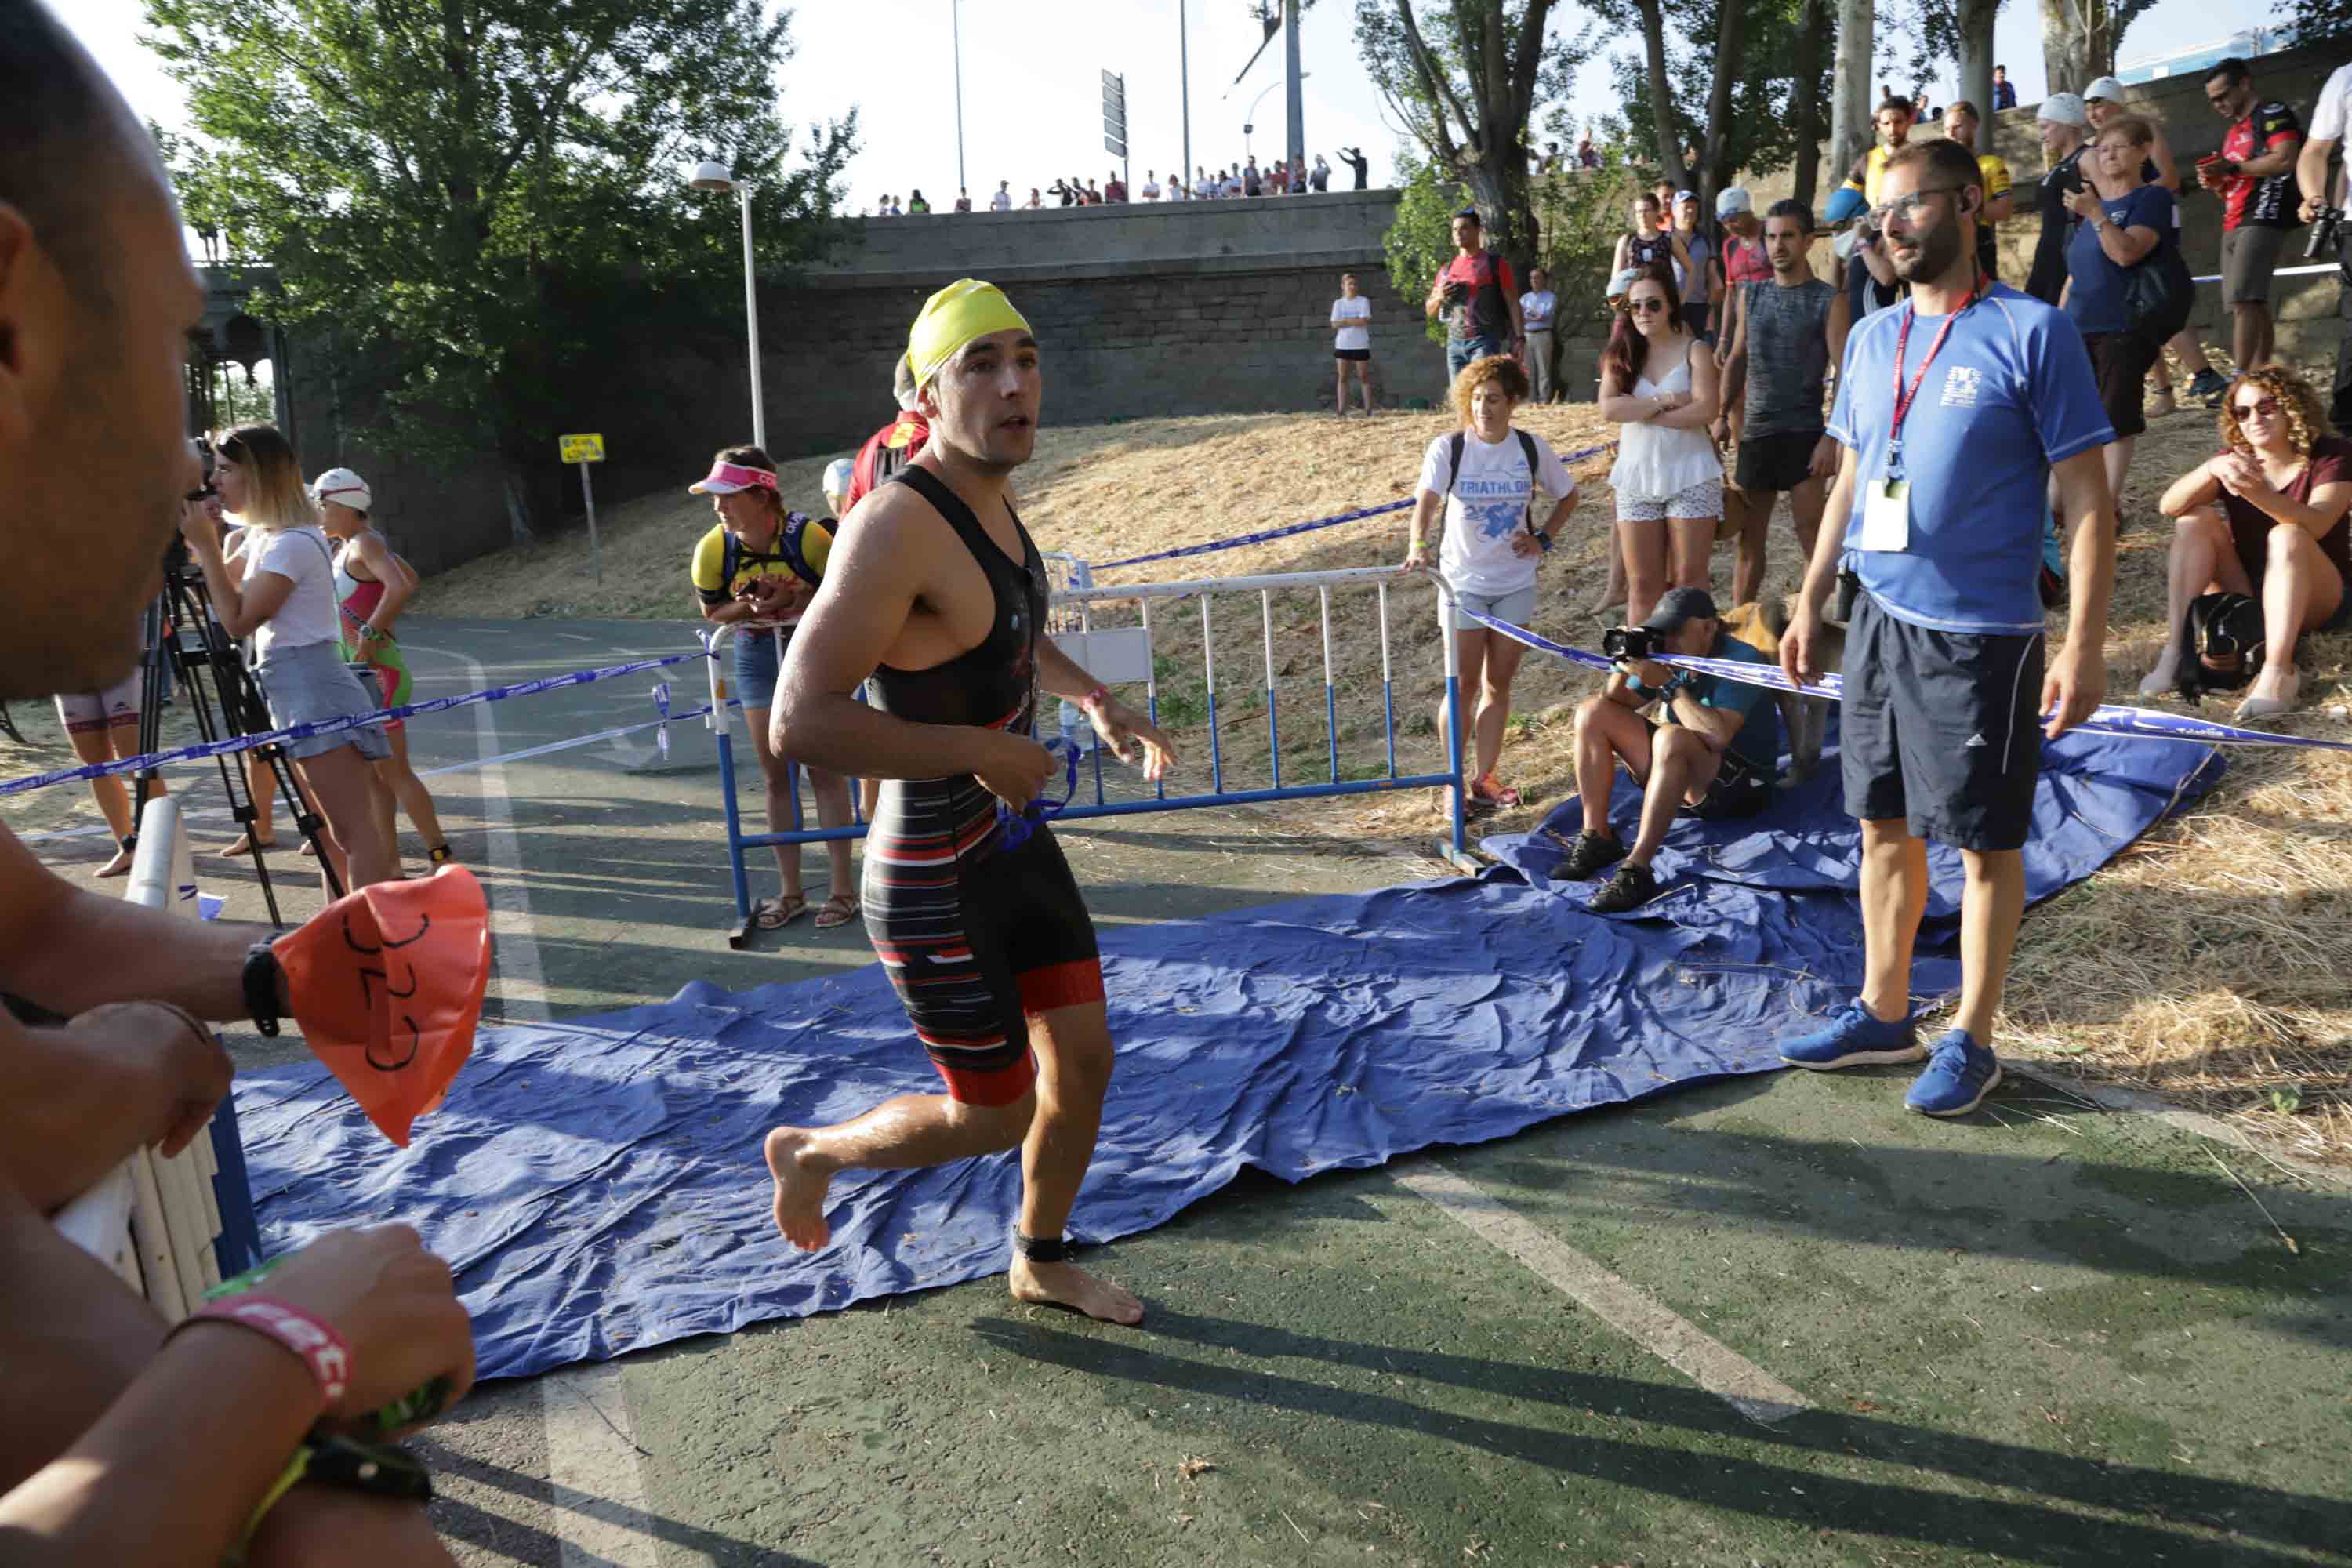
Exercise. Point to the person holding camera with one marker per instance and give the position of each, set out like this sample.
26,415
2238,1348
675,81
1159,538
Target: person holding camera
1478,296
2267,518
118,1445
1954,410
284,601
2325,212
1485,480
1713,751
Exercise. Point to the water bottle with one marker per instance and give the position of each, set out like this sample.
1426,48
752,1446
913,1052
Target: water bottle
1076,729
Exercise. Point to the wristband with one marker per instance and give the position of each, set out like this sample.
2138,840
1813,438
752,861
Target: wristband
261,975
326,1353
1542,539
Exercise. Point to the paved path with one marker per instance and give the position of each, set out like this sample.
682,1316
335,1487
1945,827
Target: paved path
1775,1321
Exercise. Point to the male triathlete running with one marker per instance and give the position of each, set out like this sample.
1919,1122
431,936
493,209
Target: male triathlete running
936,590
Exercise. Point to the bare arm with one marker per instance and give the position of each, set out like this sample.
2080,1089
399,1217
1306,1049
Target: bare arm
2325,509
78,1100
1828,542
2168,173
2077,681
1427,513
1551,529
398,584
2311,174
2277,161
1621,406
1716,726
893,557
2000,208
1840,324
1735,362
2192,489
1705,398
242,606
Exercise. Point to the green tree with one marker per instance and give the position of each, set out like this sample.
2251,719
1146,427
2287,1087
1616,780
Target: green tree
1466,85
1772,79
467,198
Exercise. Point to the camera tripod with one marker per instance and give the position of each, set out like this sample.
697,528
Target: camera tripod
231,706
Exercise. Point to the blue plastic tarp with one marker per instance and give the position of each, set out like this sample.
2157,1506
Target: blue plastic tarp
597,1185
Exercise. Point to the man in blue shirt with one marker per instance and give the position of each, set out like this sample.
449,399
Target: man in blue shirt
1955,412
1713,752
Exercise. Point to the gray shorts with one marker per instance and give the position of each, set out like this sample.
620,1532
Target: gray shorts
2249,254
304,685
1518,607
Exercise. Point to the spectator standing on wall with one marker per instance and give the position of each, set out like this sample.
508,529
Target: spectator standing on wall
1322,176
1094,196
1035,203
1203,187
1063,191
1278,179
1962,125
2102,100
1786,333
2327,138
1954,410
1234,186
2004,92
1704,274
2064,125
1354,158
2124,223
1586,153
963,201
1151,185
1351,342
2254,176
1478,296
1114,188
1253,182
916,204
1001,202
1536,307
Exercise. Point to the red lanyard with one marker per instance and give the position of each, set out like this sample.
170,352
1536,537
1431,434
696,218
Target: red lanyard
1902,344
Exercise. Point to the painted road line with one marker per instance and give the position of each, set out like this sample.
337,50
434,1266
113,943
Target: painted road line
592,1453
1632,1311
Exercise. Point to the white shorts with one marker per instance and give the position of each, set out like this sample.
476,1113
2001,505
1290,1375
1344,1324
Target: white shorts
1518,607
88,712
1704,499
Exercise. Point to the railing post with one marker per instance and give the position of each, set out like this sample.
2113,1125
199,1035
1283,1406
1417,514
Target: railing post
1454,850
713,643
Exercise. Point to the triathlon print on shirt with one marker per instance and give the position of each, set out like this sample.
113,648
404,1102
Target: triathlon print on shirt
1494,507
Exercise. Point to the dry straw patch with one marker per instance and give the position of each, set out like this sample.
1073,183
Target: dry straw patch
2204,964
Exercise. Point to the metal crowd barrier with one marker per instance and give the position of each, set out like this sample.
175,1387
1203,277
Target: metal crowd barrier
1122,655
170,1229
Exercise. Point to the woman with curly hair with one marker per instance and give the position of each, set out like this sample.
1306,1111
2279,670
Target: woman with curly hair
2267,518
1485,480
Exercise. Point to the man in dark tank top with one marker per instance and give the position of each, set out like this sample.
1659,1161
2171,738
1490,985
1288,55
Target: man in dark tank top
938,596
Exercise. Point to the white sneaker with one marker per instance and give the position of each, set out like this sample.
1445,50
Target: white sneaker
2259,707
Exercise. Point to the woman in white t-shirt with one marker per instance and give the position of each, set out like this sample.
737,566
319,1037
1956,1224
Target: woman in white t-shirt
1351,341
285,604
1485,482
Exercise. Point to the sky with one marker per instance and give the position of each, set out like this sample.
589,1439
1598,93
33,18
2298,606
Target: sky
1032,82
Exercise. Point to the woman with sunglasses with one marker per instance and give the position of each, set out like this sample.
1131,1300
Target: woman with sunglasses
2267,518
1658,381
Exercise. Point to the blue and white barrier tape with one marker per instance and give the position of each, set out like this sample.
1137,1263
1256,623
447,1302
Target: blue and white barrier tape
1242,540
2107,719
236,743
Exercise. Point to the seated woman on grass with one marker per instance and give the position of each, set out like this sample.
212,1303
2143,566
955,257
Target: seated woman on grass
2267,518
1483,479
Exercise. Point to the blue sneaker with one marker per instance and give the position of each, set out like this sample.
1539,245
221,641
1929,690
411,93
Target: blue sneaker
1855,1039
1959,1075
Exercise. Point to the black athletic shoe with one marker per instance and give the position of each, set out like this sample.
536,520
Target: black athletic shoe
1588,855
1629,889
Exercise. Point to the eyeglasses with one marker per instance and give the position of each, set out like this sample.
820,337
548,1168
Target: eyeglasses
1643,307
1906,207
2266,408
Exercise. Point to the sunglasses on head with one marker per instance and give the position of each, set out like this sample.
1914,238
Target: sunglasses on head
2267,407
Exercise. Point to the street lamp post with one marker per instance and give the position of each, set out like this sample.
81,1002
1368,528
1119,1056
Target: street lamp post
1248,119
710,176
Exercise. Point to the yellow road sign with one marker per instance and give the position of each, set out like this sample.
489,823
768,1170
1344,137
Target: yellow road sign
581,448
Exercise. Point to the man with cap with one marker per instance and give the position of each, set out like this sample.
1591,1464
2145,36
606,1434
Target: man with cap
939,596
1713,751
889,448
1744,261
2066,127
1479,298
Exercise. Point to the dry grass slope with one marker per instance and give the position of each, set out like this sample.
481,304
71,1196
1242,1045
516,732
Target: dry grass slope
2206,965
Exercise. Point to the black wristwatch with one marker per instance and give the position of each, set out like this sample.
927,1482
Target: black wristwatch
1543,539
261,975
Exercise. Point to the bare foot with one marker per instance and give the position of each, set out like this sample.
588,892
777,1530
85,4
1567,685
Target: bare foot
115,866
1067,1285
800,1189
244,845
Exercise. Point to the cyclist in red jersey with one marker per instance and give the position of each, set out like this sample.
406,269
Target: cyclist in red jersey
890,449
2253,174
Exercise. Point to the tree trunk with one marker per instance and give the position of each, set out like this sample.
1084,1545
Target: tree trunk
1661,110
1850,93
1975,19
1732,19
2066,44
1498,183
1812,34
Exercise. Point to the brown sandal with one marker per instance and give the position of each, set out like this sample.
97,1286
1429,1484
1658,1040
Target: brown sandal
773,914
836,911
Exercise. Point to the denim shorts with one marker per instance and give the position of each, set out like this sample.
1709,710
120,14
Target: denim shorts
759,661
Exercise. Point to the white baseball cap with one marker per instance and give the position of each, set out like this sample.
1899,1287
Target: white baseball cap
343,487
2106,87
2064,109
837,474
1733,200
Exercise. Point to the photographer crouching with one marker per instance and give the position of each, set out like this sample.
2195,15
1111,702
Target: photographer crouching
1713,751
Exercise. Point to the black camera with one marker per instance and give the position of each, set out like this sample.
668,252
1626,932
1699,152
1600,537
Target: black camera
203,451
2326,227
1454,294
1632,642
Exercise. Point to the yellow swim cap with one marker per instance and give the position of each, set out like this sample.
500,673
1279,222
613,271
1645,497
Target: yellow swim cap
965,310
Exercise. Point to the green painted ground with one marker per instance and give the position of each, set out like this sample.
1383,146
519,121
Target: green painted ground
2052,1334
